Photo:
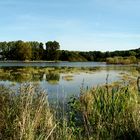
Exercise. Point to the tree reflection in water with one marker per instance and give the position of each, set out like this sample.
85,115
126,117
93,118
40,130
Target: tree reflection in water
21,75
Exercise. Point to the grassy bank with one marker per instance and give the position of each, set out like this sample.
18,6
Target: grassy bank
107,112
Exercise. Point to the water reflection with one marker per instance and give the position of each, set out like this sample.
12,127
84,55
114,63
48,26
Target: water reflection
52,78
60,82
52,74
35,74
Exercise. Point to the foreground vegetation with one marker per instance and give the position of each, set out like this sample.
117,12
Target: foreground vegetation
25,114
107,112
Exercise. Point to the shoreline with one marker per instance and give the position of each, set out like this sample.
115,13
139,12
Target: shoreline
41,61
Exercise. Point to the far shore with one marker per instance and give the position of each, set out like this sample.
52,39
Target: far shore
57,61
41,61
15,61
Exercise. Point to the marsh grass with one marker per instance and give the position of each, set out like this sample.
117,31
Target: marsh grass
25,115
107,112
28,74
122,60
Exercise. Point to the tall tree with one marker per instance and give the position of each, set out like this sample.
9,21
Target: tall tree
23,50
37,51
52,50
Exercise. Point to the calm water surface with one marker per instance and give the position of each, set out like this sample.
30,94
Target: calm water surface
50,64
60,79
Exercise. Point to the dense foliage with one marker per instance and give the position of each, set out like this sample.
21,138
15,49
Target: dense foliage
19,50
52,50
33,50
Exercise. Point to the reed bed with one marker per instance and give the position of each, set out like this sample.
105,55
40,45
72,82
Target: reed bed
108,112
25,114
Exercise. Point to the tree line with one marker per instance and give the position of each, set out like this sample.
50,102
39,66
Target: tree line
34,50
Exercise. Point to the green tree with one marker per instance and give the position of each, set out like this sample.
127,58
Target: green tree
132,53
23,50
52,50
37,50
3,50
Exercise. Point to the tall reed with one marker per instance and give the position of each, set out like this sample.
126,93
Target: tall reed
25,115
107,113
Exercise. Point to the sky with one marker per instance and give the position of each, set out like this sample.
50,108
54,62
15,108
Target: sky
85,25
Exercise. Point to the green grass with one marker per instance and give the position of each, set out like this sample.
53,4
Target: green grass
107,112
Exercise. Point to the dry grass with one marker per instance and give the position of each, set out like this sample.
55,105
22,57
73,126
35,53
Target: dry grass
25,115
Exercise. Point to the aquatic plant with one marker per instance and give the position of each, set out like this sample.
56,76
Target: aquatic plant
107,112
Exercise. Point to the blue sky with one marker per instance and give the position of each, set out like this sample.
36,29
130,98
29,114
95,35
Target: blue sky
86,25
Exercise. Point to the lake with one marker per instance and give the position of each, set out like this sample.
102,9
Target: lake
62,79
